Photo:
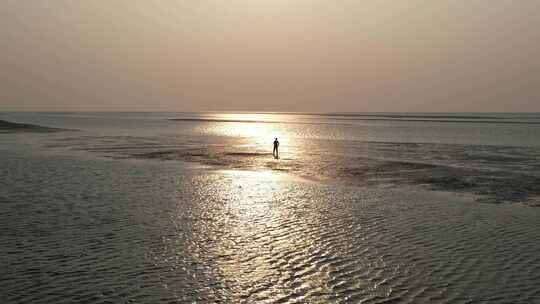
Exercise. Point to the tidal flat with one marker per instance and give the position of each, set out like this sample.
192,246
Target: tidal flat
127,210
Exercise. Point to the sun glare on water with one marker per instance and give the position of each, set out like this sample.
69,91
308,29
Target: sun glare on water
260,129
258,225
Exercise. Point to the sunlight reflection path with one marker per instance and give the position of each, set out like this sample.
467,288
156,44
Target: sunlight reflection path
267,239
261,129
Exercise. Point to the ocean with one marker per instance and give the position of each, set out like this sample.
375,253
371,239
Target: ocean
192,207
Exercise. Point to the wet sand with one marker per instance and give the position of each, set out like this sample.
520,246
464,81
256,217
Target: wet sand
96,231
495,174
138,209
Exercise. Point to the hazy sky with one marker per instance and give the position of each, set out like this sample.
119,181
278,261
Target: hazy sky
270,55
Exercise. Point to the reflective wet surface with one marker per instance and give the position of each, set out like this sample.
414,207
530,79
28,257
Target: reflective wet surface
86,220
94,231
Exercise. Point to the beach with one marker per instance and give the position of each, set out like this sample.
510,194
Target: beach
144,209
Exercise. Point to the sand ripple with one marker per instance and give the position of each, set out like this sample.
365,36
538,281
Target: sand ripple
103,231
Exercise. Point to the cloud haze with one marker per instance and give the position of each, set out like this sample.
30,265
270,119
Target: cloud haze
270,55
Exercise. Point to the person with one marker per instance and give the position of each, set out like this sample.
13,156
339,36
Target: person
275,152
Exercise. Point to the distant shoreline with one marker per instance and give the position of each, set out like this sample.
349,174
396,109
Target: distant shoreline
14,127
345,119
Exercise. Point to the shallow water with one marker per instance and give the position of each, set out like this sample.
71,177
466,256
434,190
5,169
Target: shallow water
494,155
84,219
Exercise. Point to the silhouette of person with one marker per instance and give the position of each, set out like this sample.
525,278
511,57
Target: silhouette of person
275,152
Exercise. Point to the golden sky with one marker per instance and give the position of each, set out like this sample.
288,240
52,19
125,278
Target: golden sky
270,55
